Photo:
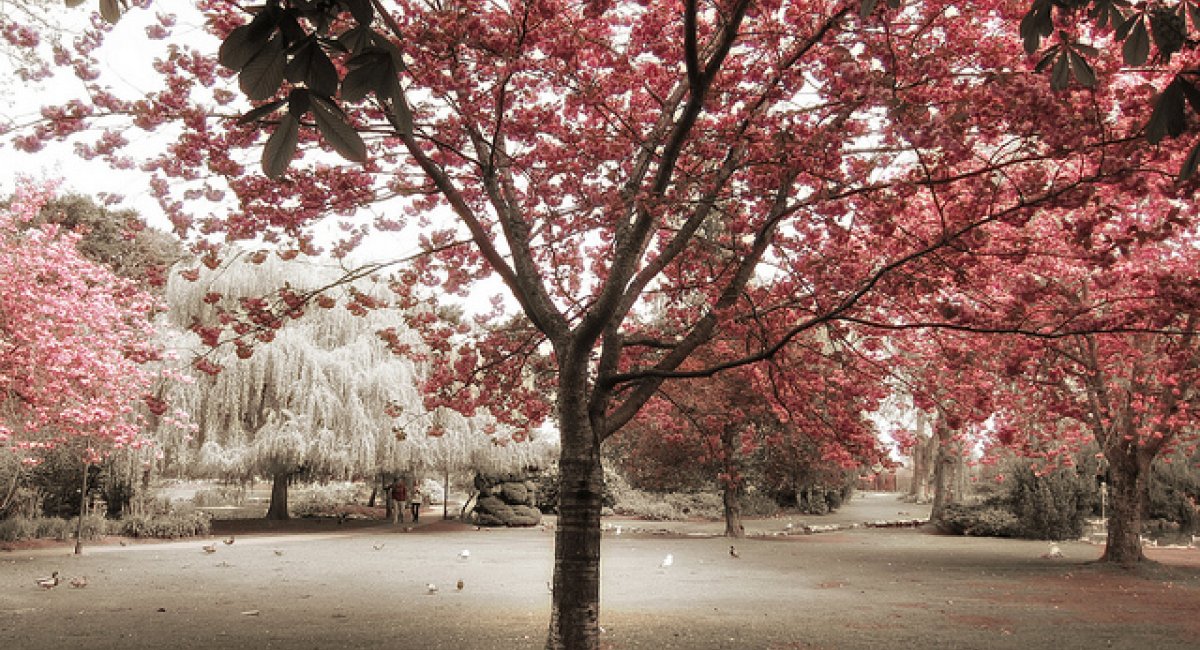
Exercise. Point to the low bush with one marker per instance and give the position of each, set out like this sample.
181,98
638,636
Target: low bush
182,523
319,499
221,495
980,521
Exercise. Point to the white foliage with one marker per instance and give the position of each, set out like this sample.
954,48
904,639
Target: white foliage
317,395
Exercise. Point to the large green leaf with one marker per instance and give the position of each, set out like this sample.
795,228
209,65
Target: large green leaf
280,147
1082,70
110,10
260,112
338,133
1168,117
238,48
362,10
263,75
1188,169
1137,46
368,72
1036,25
1060,76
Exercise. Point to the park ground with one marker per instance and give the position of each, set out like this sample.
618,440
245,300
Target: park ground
320,584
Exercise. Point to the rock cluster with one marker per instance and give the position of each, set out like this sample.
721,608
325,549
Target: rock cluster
507,500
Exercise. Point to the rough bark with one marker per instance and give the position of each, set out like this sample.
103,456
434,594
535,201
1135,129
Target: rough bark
946,460
733,511
731,488
575,602
82,511
278,510
574,616
1129,494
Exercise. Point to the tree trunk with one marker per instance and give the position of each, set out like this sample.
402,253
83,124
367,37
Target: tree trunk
82,511
446,495
922,456
1129,494
731,487
944,464
278,510
575,601
733,511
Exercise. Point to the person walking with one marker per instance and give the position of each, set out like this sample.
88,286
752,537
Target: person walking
399,500
414,500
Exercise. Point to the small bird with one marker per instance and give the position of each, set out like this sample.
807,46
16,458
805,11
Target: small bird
667,561
431,589
49,582
210,548
459,586
464,554
229,540
1054,552
733,552
79,582
379,546
278,552
123,543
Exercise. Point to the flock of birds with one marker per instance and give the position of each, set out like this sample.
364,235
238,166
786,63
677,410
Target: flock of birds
51,581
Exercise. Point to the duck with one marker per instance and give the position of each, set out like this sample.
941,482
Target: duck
733,552
667,561
431,589
210,548
49,582
79,582
228,541
464,554
379,547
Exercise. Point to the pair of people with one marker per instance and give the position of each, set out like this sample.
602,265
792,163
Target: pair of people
402,496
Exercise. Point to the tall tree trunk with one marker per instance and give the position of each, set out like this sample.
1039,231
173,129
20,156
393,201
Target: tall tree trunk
944,464
278,510
731,487
82,511
1129,493
575,602
733,510
446,494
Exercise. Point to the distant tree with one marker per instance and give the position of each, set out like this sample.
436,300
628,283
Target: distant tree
73,341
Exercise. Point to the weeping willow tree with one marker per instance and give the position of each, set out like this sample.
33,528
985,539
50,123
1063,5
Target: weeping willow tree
322,395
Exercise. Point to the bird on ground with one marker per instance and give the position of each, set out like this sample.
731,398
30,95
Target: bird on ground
733,552
79,582
229,540
49,582
210,548
431,589
667,561
379,546
1054,552
459,586
278,552
464,554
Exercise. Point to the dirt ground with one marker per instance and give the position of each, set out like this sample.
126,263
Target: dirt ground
358,585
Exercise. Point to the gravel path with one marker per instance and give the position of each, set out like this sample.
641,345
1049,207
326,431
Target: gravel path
366,587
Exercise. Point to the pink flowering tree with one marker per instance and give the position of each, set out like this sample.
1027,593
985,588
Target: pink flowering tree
759,168
73,341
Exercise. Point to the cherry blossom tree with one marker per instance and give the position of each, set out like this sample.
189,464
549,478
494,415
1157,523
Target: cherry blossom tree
720,424
73,341
750,168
